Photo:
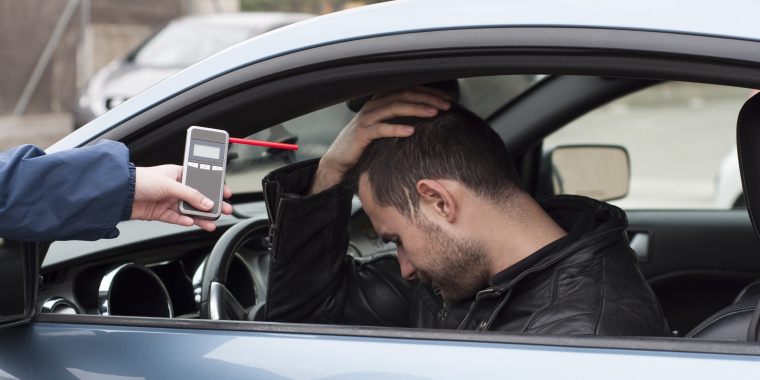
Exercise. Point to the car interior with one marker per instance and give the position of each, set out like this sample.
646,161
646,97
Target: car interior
701,262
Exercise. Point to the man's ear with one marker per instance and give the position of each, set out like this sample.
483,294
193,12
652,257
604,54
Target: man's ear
434,194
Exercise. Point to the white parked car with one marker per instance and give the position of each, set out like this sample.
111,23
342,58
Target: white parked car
180,44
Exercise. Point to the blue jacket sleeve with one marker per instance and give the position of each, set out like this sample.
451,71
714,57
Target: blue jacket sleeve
78,194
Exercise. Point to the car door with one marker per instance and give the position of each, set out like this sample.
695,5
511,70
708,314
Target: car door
88,351
266,93
696,250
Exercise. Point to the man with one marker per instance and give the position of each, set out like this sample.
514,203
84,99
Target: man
475,251
83,193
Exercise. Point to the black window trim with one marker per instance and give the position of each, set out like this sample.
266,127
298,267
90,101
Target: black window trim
473,52
620,343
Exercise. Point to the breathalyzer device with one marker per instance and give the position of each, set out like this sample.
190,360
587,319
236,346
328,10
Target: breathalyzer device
204,167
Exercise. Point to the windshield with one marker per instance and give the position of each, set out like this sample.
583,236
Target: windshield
185,44
315,132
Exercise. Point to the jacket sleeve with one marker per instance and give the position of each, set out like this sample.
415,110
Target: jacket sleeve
311,278
78,194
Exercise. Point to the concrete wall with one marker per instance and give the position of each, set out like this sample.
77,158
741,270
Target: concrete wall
26,26
115,28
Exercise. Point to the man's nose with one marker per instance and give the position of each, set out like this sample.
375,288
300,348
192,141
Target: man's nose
408,272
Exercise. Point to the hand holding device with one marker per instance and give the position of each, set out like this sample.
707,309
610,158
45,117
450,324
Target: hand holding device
205,165
157,194
203,172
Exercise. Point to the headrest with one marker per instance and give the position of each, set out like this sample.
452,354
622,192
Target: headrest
748,145
451,87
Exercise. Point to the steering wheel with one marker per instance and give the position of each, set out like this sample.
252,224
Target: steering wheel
216,301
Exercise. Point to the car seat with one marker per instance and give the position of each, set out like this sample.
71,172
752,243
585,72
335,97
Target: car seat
738,322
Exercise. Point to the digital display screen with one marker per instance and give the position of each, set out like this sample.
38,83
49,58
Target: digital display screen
206,151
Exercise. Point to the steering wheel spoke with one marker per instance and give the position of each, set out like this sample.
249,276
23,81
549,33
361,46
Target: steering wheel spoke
215,300
220,299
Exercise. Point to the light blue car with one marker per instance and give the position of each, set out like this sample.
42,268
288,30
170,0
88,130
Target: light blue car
127,308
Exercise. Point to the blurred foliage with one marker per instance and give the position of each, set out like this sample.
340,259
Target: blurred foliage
308,6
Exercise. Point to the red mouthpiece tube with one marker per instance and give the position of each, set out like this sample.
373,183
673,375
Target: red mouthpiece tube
267,144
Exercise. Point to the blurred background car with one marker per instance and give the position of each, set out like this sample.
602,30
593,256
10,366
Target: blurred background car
728,183
180,44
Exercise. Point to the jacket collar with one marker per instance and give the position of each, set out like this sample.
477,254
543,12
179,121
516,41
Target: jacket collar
611,223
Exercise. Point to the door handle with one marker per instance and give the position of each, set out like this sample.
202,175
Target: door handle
640,244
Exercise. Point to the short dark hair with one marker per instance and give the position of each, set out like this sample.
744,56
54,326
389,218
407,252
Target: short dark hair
455,144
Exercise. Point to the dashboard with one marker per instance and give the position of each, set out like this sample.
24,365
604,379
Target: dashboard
152,270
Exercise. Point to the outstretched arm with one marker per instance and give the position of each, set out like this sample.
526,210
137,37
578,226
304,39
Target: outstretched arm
83,193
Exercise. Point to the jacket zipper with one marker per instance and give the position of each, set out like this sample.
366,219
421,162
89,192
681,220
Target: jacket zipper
474,306
274,221
266,202
273,230
271,223
487,325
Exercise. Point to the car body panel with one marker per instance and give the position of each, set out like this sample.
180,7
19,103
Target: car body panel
727,19
131,349
90,351
130,80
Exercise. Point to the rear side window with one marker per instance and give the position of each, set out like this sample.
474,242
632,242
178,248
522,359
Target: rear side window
681,140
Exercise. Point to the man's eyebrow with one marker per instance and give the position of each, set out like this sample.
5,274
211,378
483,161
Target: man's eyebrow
387,237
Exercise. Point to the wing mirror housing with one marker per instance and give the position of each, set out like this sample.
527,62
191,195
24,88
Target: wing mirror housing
601,172
19,276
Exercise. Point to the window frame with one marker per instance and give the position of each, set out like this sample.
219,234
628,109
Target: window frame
297,83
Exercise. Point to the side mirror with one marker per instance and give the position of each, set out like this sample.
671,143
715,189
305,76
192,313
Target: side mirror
19,271
597,171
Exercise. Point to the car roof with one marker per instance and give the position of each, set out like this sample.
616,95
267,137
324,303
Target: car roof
255,20
728,18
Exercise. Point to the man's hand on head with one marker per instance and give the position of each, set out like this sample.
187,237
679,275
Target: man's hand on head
158,190
369,125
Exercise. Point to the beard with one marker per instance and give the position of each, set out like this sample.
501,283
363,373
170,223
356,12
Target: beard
458,268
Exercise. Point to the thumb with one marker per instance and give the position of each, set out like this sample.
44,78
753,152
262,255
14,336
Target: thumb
188,194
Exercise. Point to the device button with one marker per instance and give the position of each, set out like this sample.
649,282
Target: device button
217,168
205,167
193,164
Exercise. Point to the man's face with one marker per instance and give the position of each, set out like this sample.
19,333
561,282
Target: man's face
457,267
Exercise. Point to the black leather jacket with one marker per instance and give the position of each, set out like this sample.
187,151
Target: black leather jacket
592,286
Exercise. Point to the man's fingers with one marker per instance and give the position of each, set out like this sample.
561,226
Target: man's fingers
389,130
205,224
189,195
432,91
396,109
226,208
418,88
434,99
172,217
227,192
